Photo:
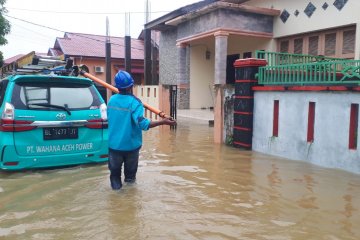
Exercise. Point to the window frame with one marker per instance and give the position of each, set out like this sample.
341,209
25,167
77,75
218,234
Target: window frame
3,86
19,91
321,44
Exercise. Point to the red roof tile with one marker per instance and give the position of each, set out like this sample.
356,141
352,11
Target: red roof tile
55,52
79,44
13,59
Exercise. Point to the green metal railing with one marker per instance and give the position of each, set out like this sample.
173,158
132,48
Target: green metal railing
279,58
344,72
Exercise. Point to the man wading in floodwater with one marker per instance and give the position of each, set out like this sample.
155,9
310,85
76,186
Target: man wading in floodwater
126,123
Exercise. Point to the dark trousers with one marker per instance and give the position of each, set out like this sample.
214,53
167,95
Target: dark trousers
130,160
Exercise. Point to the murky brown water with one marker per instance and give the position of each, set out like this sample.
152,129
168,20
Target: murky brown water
187,188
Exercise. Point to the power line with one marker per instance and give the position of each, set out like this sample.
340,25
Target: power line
39,25
54,29
44,36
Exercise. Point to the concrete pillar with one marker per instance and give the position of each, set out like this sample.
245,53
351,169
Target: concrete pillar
219,114
221,45
181,68
147,57
357,42
183,82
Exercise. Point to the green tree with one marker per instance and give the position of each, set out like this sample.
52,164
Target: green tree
4,28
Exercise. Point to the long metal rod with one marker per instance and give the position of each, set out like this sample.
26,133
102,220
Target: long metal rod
114,89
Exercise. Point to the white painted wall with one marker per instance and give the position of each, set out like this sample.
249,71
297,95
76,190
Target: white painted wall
202,74
332,118
149,95
320,20
202,70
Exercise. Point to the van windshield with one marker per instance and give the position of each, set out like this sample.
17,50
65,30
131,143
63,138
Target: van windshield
72,96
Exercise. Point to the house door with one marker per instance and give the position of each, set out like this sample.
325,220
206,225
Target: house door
230,69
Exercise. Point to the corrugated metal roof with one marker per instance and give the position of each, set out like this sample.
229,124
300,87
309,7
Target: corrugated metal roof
79,44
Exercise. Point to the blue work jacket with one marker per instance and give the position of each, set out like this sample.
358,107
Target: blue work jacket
126,122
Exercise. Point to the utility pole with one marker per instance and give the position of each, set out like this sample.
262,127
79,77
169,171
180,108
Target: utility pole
127,43
108,56
154,63
147,47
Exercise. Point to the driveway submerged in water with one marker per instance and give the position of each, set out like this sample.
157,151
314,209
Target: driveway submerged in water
187,188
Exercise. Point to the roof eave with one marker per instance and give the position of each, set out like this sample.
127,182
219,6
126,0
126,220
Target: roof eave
218,5
159,23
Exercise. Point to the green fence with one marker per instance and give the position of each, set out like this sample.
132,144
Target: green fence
278,58
344,72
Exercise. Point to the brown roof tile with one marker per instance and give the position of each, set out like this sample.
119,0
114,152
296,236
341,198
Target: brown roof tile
13,59
55,52
79,44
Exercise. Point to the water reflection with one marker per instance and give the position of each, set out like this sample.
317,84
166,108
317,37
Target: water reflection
187,188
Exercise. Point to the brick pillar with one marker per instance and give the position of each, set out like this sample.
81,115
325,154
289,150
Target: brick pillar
245,71
182,82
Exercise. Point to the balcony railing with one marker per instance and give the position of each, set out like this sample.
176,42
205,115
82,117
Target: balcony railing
339,72
278,58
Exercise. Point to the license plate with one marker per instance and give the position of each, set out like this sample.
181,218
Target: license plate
60,133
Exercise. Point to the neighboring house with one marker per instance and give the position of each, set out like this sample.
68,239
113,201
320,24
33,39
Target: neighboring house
13,59
200,42
89,50
11,64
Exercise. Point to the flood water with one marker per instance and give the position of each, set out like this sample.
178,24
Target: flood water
187,188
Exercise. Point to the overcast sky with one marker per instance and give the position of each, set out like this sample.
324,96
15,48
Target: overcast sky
35,24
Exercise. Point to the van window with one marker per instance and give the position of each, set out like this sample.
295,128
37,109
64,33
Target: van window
3,85
72,96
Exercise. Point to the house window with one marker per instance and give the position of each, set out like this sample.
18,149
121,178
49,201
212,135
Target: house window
276,119
247,55
330,44
284,46
348,42
338,43
137,78
311,122
353,128
298,46
313,45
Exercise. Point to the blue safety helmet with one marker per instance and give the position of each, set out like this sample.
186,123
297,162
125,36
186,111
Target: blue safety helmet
123,80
